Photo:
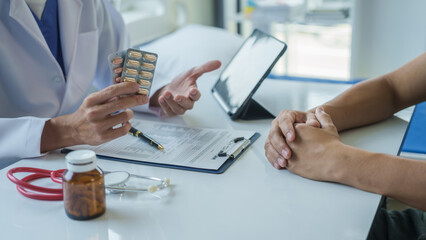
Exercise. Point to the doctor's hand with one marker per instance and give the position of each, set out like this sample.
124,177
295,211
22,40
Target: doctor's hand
317,151
282,132
95,121
181,94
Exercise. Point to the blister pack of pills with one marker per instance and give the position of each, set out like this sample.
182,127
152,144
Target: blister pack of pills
134,65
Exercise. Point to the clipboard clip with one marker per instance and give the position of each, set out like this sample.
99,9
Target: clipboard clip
232,149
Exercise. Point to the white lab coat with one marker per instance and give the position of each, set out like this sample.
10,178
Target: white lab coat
32,85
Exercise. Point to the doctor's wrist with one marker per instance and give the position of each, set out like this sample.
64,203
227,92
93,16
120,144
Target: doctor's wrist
153,100
56,134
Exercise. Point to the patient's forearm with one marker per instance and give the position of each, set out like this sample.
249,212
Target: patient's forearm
377,99
365,103
399,178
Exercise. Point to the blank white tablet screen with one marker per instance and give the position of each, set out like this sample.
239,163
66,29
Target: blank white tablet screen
240,77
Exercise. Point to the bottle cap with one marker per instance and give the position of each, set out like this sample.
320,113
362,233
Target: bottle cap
81,160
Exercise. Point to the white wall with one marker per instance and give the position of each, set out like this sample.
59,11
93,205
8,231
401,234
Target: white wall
149,19
386,34
199,11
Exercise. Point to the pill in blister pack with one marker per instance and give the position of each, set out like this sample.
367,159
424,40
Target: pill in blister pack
134,65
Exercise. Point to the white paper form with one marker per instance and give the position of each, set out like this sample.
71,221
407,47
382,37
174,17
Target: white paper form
183,145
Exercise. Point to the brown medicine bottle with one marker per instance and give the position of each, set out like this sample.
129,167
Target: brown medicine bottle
83,186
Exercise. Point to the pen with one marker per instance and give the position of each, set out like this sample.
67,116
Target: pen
134,132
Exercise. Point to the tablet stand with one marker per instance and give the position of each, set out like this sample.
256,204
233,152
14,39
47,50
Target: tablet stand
255,111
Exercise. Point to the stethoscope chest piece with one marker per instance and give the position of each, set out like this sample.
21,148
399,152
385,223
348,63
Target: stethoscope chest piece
118,182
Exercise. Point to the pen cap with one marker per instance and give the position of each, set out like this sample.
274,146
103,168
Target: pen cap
81,160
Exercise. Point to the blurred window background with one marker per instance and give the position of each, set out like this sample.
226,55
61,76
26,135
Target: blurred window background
330,39
318,33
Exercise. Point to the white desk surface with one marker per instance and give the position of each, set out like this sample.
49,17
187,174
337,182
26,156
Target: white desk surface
251,200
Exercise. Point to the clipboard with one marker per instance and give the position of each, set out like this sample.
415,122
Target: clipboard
202,150
230,160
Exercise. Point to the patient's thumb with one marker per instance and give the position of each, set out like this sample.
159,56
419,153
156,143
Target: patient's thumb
324,118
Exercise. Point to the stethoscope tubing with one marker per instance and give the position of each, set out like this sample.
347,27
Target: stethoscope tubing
52,194
22,185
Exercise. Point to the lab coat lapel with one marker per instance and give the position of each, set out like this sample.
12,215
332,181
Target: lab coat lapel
80,50
69,21
21,13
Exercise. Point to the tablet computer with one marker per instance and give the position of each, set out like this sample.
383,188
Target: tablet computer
245,72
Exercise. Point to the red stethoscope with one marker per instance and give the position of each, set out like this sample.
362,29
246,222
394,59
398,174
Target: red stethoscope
115,182
39,193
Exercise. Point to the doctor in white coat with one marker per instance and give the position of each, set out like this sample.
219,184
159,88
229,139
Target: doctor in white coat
44,104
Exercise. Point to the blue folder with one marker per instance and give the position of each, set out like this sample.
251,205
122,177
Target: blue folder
414,144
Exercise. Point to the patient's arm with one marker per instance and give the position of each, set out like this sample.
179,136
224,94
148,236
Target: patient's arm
379,98
319,154
367,102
